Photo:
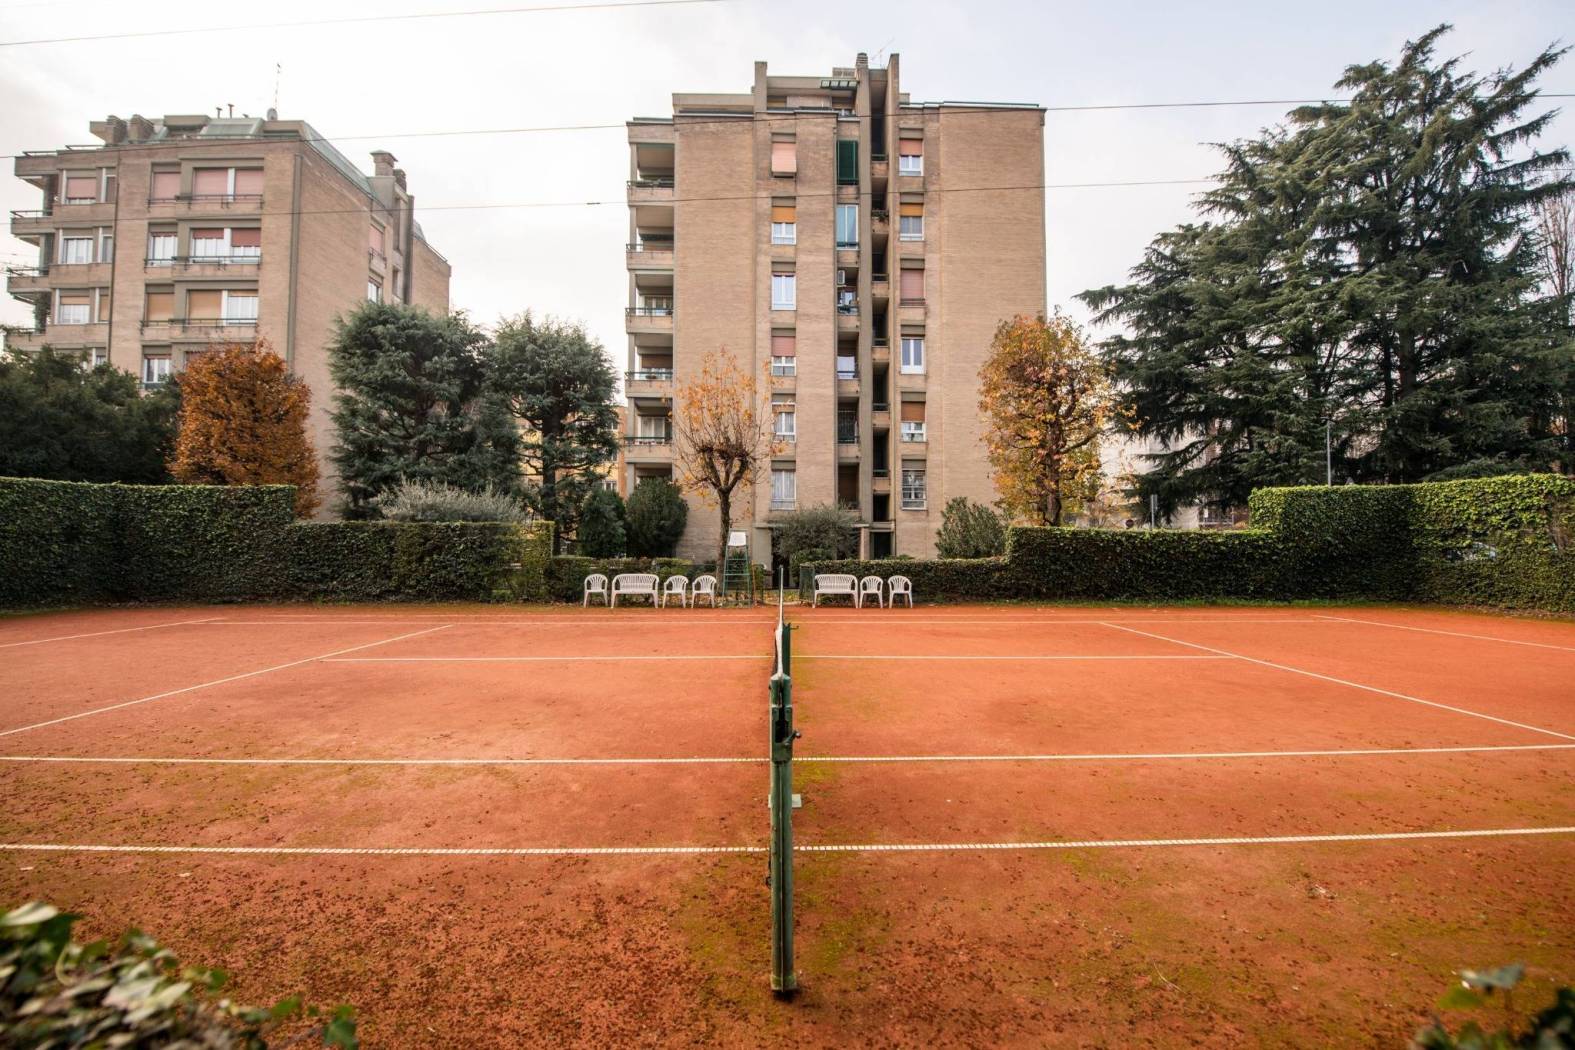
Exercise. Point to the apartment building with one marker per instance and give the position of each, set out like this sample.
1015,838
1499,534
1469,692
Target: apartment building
860,248
176,234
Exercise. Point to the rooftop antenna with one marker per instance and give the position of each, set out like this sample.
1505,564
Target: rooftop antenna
278,73
880,56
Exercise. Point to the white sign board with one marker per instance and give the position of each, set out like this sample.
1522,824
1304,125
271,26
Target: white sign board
736,538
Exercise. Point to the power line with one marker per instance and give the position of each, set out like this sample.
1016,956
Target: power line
186,143
360,19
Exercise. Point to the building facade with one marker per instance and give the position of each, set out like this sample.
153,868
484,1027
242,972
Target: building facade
180,233
860,249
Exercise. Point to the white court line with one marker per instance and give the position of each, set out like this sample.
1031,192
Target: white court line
883,847
217,681
700,760
968,656
897,621
96,634
526,659
474,623
1452,634
1346,682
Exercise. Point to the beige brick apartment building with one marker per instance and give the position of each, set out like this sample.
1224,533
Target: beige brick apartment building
860,246
190,230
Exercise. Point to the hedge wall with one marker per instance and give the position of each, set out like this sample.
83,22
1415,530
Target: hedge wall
566,574
1141,564
941,579
75,543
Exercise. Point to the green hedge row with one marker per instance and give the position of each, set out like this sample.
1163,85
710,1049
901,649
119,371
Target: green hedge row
566,573
75,543
1506,542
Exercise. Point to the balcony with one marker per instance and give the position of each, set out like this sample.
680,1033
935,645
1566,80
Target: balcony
88,211
31,225
880,225
880,481
649,254
648,382
880,416
376,261
80,275
37,164
847,317
880,167
646,449
651,189
201,329
650,319
27,282
199,204
232,265
61,337
880,352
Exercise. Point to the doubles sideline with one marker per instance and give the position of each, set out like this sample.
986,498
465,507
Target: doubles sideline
877,847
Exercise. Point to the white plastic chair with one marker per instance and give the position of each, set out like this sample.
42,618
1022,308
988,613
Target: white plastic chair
678,585
829,583
703,587
872,585
595,583
631,583
899,587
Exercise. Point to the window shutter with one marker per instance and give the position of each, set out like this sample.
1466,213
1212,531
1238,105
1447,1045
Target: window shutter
783,213
211,182
166,185
78,186
160,306
375,239
911,208
75,298
248,182
907,147
202,304
784,157
207,234
913,411
784,346
246,238
847,160
912,286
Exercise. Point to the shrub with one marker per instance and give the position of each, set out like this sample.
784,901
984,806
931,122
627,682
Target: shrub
55,992
601,525
827,528
970,530
1552,1027
943,579
1159,564
565,575
440,501
654,518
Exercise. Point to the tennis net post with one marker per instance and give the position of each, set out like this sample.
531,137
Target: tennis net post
784,978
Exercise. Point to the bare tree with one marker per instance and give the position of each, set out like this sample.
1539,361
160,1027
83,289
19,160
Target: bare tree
723,442
1556,237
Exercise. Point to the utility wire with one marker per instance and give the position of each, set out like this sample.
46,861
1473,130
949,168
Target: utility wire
360,19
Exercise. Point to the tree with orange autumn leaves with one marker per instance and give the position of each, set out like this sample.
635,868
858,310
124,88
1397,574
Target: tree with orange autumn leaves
723,440
1047,400
243,422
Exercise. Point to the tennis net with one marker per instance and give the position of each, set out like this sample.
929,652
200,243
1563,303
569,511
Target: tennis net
784,979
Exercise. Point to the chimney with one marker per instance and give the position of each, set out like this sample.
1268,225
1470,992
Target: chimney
382,162
113,130
399,177
139,128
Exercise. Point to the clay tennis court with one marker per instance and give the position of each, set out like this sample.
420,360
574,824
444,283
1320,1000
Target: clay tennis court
489,825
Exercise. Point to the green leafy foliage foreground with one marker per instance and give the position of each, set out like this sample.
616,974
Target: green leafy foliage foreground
58,994
1551,1029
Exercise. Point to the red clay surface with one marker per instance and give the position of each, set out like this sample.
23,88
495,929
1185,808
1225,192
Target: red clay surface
436,741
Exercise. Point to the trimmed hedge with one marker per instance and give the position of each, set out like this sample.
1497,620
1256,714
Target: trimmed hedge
941,579
74,543
1136,564
565,575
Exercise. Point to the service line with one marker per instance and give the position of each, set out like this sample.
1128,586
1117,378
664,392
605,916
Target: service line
1451,634
216,681
99,634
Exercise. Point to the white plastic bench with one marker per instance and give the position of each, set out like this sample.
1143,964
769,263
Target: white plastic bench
595,583
872,585
899,587
678,585
834,583
635,583
703,587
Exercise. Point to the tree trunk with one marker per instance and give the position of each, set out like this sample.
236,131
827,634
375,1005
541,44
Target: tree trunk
725,507
1053,505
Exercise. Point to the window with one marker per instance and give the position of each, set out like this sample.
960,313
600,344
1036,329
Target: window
910,222
374,292
165,186
204,304
653,427
911,285
913,493
847,428
82,189
106,246
240,307
207,243
109,186
248,182
784,157
784,228
783,351
96,357
848,162
912,353
784,291
210,182
246,244
910,156
375,239
847,366
847,226
785,420
155,370
784,489
76,248
74,308
159,307
913,421
161,248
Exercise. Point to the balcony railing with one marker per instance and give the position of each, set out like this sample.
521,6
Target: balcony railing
648,440
232,259
651,244
209,198
847,373
27,271
847,432
652,182
29,213
649,310
649,375
202,322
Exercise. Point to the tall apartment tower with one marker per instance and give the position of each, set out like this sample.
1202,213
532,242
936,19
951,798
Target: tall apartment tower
861,248
184,232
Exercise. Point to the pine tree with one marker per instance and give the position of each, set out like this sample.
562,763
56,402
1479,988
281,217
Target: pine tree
560,385
602,533
655,515
243,422
1365,272
417,402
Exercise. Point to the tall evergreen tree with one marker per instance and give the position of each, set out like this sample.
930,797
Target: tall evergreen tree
560,386
61,421
602,531
655,516
417,402
1366,269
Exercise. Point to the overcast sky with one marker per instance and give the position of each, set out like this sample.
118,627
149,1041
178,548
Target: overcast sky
604,66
